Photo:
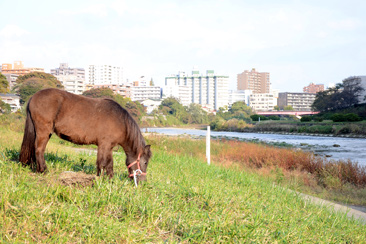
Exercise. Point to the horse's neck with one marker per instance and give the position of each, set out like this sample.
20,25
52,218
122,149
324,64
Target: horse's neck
133,144
130,150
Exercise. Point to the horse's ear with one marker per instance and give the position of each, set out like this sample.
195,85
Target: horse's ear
147,150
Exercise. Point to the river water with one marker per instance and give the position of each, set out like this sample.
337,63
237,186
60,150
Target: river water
347,148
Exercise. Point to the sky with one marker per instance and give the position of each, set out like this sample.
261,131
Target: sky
297,42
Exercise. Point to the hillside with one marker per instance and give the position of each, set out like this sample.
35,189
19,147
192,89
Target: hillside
184,200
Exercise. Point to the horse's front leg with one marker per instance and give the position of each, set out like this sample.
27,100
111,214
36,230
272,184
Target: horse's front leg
105,160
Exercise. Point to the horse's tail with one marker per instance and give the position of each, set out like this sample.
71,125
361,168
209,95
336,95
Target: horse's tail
27,152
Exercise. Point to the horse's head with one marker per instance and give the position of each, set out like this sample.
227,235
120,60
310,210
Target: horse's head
137,165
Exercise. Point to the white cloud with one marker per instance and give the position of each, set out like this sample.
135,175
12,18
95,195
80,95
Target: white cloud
344,24
13,31
119,6
99,10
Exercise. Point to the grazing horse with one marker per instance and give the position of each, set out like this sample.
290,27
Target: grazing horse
83,121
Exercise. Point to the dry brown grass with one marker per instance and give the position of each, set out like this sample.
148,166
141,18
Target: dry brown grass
259,156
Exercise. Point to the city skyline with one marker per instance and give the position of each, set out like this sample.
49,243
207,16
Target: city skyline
297,43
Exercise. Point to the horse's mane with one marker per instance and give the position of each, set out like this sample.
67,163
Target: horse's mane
134,136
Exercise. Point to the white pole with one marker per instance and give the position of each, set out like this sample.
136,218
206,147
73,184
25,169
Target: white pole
208,137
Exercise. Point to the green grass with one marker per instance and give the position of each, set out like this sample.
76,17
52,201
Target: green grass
184,200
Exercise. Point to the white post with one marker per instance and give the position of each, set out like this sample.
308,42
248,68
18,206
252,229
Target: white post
208,137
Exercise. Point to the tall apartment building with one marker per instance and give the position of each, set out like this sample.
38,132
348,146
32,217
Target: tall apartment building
105,75
18,69
313,88
258,82
209,90
297,100
73,79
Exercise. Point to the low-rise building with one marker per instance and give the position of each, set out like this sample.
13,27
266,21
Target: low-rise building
73,79
141,93
72,83
11,99
11,78
299,101
18,69
151,105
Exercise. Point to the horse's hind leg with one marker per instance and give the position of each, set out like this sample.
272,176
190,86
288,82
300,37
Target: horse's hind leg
43,136
105,160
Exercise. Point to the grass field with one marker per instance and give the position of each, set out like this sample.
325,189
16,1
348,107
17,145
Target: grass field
184,200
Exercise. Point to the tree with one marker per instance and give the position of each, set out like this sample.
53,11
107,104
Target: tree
172,106
276,108
352,90
4,84
136,109
241,107
99,92
288,108
196,114
343,95
29,84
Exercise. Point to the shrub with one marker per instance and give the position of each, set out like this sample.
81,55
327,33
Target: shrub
318,119
351,117
255,117
338,117
306,118
274,117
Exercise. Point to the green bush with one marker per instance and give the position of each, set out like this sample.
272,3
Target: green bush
274,117
338,117
306,118
351,117
255,117
318,119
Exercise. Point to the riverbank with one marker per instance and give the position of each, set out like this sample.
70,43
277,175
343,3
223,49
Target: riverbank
312,134
340,129
300,170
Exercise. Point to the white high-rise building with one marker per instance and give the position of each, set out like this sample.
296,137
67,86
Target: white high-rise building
208,90
105,75
239,95
179,92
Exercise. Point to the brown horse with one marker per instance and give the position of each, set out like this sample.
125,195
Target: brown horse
83,120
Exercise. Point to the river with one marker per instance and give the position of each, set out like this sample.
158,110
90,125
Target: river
347,148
